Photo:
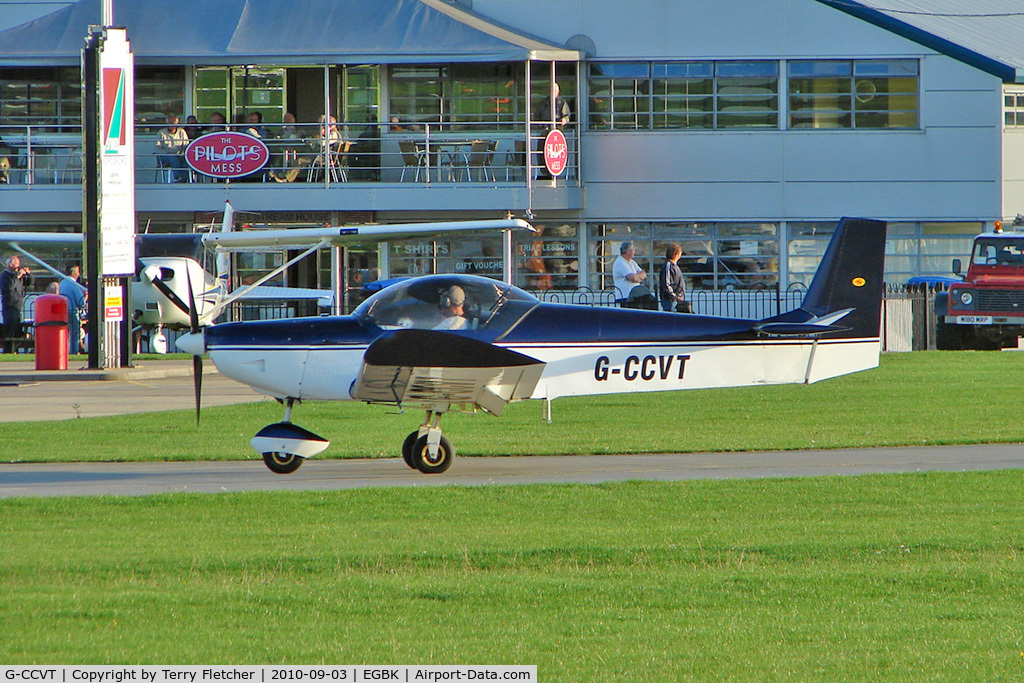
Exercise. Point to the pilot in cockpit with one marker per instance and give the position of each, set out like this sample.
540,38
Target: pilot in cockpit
451,303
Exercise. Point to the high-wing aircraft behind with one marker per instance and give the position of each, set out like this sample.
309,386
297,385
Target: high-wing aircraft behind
170,267
447,342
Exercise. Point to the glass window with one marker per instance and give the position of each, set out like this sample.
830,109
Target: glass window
715,255
910,248
683,95
420,257
1013,109
747,94
259,89
603,248
548,259
674,95
159,91
620,96
492,94
416,93
212,92
49,97
875,93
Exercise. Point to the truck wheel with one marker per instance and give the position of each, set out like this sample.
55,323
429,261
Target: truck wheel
949,337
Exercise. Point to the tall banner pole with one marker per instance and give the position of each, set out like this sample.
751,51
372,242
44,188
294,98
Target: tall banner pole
91,191
112,117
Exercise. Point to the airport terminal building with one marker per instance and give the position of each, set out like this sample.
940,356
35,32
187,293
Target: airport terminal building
740,129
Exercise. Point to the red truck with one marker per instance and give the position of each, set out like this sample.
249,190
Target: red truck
986,310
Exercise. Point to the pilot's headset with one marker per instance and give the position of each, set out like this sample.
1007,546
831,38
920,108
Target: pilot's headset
453,296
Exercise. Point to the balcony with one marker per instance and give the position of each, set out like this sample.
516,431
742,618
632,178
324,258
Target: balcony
369,167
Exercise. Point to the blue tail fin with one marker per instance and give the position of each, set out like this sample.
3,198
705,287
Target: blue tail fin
849,277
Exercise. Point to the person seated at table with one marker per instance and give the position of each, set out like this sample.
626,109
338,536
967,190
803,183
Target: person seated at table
218,122
329,142
6,161
290,131
192,127
366,153
255,125
286,161
171,142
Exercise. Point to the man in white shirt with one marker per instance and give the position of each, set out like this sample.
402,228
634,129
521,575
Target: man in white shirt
170,148
626,273
452,301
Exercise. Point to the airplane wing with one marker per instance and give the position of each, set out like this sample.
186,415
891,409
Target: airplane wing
346,234
41,237
275,293
431,368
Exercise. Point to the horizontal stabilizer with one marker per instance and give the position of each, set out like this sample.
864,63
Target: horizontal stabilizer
814,326
441,369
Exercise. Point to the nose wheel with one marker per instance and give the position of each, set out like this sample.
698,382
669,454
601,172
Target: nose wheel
282,463
427,449
284,445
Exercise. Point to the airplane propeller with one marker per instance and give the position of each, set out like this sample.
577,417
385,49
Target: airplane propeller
197,358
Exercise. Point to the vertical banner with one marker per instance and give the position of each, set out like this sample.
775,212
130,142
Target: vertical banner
117,154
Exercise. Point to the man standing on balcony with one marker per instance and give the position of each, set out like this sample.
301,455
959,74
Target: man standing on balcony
170,149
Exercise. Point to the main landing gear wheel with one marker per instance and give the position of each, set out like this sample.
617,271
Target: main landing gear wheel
282,463
407,448
422,461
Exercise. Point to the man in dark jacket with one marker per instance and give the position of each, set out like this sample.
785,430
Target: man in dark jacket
671,288
12,295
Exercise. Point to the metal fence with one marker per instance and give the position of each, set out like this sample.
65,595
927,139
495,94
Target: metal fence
908,312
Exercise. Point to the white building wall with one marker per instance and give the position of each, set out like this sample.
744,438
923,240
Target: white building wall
950,169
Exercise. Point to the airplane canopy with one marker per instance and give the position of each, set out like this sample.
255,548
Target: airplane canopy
225,32
489,305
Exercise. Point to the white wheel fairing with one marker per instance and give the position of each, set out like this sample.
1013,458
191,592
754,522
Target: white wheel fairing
284,437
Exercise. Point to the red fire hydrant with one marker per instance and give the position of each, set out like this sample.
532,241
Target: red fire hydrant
51,323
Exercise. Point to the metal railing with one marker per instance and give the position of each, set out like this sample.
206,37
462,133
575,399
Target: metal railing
732,303
304,153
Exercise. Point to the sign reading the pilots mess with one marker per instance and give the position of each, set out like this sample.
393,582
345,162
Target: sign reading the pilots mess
227,154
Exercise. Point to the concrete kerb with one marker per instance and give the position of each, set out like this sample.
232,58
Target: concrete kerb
24,372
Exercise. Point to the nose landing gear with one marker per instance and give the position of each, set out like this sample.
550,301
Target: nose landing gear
427,449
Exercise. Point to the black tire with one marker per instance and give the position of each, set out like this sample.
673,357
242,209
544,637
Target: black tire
282,463
407,448
949,337
421,456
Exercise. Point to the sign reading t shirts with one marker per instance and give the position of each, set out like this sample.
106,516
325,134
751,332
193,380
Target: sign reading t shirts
227,154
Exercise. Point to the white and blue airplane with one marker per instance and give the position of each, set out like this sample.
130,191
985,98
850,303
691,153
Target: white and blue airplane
173,269
453,342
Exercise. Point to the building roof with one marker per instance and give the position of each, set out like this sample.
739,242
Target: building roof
983,33
279,32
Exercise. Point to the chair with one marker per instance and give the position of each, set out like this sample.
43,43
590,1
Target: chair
413,157
515,159
70,166
481,157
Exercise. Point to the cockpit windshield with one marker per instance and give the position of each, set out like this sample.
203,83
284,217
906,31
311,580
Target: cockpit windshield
448,302
999,252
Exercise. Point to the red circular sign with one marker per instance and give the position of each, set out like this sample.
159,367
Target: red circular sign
227,154
556,152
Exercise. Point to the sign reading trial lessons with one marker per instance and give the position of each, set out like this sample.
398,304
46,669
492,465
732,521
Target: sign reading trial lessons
117,155
227,154
556,152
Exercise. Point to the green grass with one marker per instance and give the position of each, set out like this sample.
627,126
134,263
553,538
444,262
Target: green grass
911,399
884,577
899,577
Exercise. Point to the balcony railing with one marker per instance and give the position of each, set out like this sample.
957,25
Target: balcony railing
424,154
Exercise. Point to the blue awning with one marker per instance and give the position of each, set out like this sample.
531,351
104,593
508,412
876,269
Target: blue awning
284,32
